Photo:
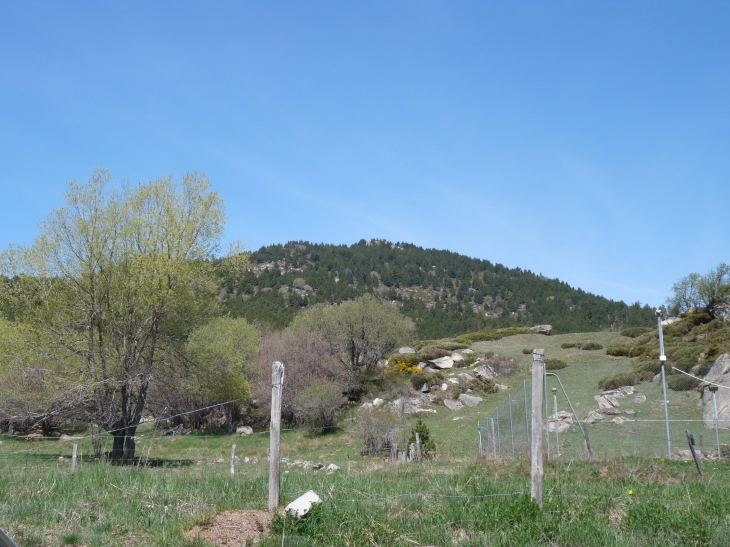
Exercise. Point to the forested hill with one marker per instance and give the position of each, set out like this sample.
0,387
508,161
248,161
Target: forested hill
443,292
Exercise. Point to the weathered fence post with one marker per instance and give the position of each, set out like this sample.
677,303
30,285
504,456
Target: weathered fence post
691,442
538,379
713,390
233,460
277,382
527,416
418,447
73,459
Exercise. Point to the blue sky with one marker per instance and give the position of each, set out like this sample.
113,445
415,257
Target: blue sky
588,141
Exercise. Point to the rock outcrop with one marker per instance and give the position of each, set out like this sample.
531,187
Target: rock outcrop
542,329
719,374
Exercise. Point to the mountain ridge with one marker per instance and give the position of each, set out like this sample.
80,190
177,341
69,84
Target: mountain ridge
443,292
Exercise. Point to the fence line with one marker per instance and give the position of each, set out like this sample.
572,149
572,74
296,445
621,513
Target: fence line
506,433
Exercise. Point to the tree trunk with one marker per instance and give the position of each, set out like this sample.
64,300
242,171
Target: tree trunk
129,444
230,418
117,446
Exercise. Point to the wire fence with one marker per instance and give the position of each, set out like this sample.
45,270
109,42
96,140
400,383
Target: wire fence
506,432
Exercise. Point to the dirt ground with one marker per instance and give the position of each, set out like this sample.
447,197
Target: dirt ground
233,528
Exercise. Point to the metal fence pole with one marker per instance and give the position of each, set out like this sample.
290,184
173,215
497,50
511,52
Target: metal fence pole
527,416
511,428
713,390
557,429
499,437
547,412
636,423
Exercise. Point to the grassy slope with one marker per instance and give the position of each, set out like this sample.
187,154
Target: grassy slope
42,504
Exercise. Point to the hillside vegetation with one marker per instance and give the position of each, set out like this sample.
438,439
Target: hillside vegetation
444,293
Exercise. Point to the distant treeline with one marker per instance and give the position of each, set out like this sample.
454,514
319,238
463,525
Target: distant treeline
444,293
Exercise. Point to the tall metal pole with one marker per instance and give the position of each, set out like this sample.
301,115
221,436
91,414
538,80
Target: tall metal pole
713,389
663,359
511,427
499,437
527,417
547,412
557,429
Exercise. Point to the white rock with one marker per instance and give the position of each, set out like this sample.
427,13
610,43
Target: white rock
332,468
484,371
670,320
301,506
470,400
466,376
639,398
501,387
443,362
406,350
453,381
593,417
619,420
457,357
453,404
467,351
444,387
244,430
378,401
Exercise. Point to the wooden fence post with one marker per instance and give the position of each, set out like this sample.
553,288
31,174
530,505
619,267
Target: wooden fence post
233,459
73,459
277,382
537,473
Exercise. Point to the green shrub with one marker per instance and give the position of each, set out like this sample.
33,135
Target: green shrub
486,385
489,335
555,364
420,378
635,332
428,446
527,351
618,351
427,354
567,345
697,318
623,379
591,346
680,382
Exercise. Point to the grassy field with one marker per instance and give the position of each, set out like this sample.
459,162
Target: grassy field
455,500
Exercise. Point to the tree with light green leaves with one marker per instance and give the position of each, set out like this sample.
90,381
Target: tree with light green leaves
709,292
223,353
113,284
360,332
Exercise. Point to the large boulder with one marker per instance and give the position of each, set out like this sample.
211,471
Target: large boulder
484,371
442,362
542,329
453,404
719,374
470,400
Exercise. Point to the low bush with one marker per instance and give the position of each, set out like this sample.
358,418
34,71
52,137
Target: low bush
380,429
527,351
428,445
488,335
635,332
420,378
680,382
485,385
567,345
591,346
555,364
430,353
618,351
697,318
620,380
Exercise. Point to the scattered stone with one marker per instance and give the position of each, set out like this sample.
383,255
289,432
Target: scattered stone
453,381
457,357
542,329
565,420
610,411
630,412
501,387
444,387
470,400
593,417
453,404
332,468
670,320
244,430
466,377
484,372
61,459
639,398
378,401
253,460
220,460
467,351
424,388
177,430
442,362
406,350
456,418
619,420
301,506
422,366
605,402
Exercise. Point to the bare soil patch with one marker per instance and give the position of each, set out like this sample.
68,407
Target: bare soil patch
233,528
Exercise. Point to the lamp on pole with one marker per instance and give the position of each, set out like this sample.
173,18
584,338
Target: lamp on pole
662,360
